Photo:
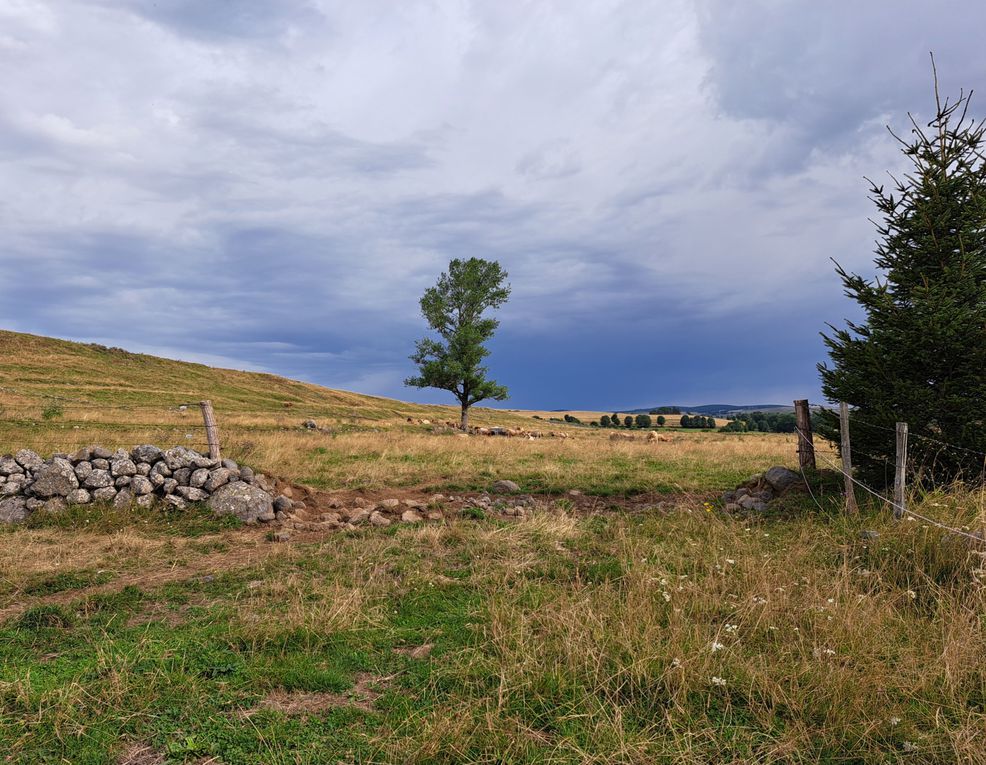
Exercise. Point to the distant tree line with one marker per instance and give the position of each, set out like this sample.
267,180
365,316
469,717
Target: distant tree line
666,410
760,422
640,421
697,421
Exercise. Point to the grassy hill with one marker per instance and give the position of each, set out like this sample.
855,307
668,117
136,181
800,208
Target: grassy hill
37,372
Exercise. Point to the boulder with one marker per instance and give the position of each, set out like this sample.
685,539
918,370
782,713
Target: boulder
83,469
78,497
505,487
13,485
106,494
282,504
99,463
781,479
379,519
123,499
389,504
145,453
160,468
248,503
143,468
169,485
180,457
29,460
123,480
13,510
183,476
98,479
146,502
9,466
125,466
139,486
410,516
246,474
198,478
218,477
174,502
83,455
99,453
310,425
229,464
191,493
55,479
33,503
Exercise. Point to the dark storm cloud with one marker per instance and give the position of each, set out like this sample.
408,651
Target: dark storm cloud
272,185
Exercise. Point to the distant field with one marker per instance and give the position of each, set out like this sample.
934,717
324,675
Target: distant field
624,620
671,420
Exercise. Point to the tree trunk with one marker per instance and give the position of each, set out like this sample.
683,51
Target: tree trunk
464,423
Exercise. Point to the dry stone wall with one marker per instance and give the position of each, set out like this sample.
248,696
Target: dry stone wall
146,475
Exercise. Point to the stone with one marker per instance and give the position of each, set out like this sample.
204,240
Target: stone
183,476
55,479
144,468
389,504
246,474
263,482
229,464
105,494
78,497
157,480
198,478
99,463
139,486
98,479
13,485
179,457
288,492
192,493
434,515
331,518
379,519
410,516
358,516
123,499
33,503
310,425
282,504
248,503
216,478
505,487
83,455
83,469
282,517
299,506
781,479
198,462
146,502
29,460
9,466
145,453
99,453
281,536
54,505
123,480
160,468
173,502
13,510
169,485
119,454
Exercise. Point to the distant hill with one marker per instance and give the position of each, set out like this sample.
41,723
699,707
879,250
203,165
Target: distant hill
720,410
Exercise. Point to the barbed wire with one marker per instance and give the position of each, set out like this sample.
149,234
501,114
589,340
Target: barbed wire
912,434
903,510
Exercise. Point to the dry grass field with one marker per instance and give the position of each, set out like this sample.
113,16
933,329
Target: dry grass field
642,626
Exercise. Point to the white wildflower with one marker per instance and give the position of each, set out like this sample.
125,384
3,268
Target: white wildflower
895,721
720,681
716,646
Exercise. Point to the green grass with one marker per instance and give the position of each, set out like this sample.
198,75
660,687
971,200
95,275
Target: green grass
554,640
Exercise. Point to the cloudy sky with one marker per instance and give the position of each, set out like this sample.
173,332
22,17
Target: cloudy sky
271,185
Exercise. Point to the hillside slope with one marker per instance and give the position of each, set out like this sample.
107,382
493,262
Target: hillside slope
36,372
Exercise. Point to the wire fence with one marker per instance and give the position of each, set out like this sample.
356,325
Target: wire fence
899,507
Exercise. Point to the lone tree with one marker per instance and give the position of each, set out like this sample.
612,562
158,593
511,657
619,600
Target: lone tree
454,309
919,354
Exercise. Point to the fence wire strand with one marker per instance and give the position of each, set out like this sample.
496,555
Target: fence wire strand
894,505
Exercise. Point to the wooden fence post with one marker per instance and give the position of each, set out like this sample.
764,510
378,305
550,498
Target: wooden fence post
846,450
806,444
211,431
900,477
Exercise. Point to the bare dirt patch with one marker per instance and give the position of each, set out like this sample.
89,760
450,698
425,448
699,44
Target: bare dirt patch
364,693
141,754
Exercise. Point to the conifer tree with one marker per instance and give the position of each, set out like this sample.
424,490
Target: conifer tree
919,354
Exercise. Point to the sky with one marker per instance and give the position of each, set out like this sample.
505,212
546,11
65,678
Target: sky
272,185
